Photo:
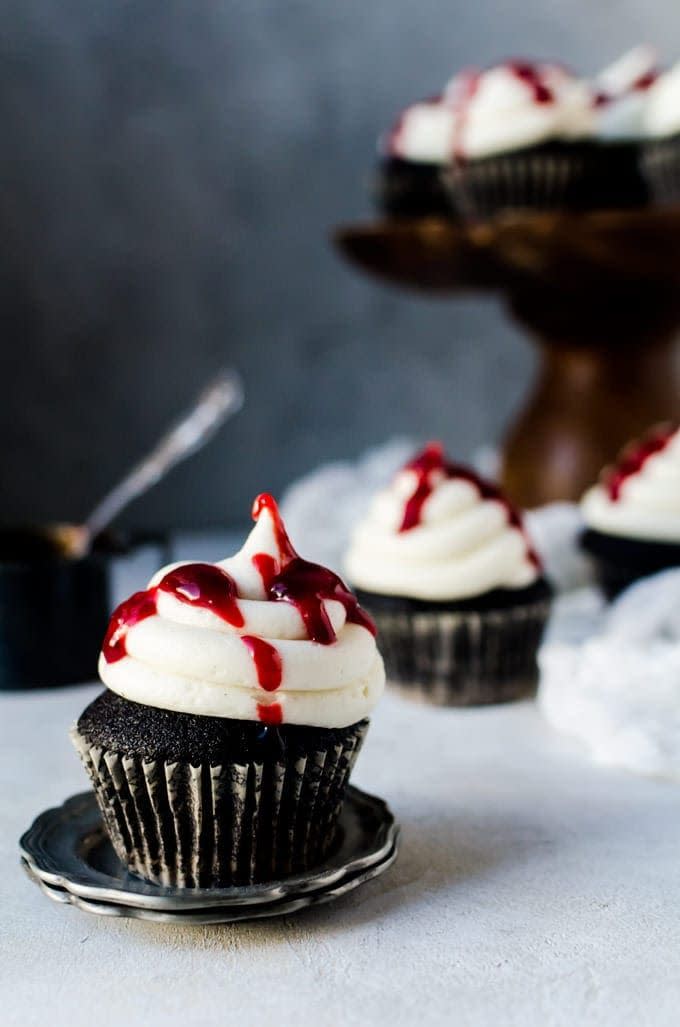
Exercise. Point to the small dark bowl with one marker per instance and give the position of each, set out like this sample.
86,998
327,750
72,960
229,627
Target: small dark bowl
54,611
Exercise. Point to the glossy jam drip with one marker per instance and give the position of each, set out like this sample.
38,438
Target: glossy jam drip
270,714
426,465
634,460
465,90
266,502
431,466
640,85
198,584
207,586
134,610
532,77
303,584
267,662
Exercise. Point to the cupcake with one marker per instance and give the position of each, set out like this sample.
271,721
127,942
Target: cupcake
521,135
444,565
237,702
523,141
414,154
621,97
661,149
632,515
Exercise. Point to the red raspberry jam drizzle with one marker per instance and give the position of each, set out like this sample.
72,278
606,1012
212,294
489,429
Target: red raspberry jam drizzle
430,466
198,584
135,609
207,586
466,87
267,661
531,75
640,85
303,584
271,714
634,460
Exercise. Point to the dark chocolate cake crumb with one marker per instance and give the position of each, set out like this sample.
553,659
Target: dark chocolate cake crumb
117,724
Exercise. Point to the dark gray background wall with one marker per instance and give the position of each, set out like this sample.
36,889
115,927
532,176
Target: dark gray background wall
169,174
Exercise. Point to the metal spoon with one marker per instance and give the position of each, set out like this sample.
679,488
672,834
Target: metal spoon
220,400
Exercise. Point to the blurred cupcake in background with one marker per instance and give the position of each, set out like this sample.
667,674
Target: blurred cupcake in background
661,151
523,140
621,97
632,515
237,702
414,154
521,135
443,563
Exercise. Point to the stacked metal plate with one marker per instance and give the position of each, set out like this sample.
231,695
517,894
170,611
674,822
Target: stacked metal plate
67,853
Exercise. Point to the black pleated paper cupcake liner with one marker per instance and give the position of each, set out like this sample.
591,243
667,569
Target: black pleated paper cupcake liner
661,168
410,189
236,823
463,658
555,176
619,562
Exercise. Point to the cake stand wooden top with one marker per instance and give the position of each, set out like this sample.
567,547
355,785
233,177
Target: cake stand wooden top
564,251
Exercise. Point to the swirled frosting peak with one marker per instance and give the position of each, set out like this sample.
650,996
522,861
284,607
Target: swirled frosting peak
662,113
481,112
621,94
518,104
440,532
263,635
639,496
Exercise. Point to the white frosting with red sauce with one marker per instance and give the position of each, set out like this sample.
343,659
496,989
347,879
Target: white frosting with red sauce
639,496
425,133
509,106
662,113
263,635
440,532
621,95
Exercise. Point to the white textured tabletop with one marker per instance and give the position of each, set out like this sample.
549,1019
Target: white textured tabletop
532,888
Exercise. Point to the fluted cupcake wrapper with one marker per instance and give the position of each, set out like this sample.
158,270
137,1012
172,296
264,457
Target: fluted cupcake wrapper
661,167
463,658
572,177
238,823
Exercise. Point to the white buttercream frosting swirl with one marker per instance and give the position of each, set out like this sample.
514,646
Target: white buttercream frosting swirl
639,497
248,655
662,111
425,133
438,533
519,104
622,93
509,106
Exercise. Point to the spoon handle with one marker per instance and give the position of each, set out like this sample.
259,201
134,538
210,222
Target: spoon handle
221,399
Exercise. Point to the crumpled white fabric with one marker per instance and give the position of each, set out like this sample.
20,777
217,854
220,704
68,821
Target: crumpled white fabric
610,677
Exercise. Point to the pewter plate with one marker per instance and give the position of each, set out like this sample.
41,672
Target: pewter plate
67,852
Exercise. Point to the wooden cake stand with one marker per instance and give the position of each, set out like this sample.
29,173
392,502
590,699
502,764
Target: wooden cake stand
600,294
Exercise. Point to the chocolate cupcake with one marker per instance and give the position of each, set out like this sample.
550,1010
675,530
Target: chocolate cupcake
661,149
632,515
620,98
414,155
444,565
521,135
237,702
